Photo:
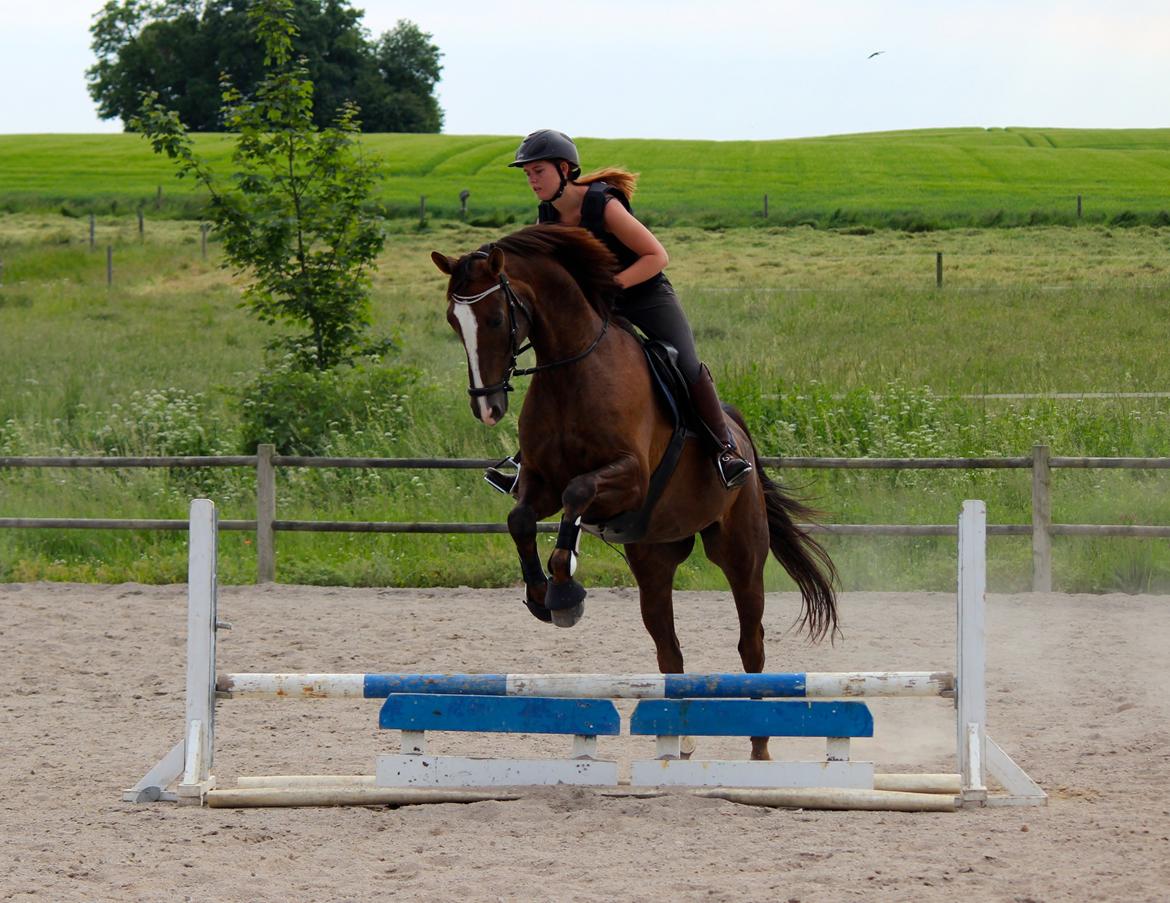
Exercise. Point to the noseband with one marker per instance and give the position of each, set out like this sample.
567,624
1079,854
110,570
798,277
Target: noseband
515,304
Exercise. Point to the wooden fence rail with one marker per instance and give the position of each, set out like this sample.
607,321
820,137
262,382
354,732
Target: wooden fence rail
1041,462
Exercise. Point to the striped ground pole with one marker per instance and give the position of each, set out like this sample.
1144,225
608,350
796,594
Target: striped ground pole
795,685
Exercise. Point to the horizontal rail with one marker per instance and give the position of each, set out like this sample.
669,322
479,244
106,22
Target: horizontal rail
386,463
827,685
343,526
112,523
899,463
309,526
911,529
114,461
1112,463
1110,530
1007,463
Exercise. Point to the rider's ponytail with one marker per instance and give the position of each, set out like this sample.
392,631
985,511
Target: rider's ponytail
620,179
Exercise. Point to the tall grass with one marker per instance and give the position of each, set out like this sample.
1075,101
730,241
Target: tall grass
831,343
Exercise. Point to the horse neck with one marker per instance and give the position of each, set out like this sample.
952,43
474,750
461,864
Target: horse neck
564,322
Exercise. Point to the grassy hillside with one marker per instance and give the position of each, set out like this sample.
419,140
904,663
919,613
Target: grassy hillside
915,179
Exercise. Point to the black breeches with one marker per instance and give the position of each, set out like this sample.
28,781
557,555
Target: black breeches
659,314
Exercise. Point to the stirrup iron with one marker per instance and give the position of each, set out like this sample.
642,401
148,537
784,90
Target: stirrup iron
733,469
501,480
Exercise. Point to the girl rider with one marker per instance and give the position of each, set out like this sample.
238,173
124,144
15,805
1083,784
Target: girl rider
550,161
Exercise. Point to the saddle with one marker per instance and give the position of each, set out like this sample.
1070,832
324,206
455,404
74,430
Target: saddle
671,388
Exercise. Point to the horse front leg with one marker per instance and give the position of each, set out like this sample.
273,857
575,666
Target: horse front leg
532,504
619,485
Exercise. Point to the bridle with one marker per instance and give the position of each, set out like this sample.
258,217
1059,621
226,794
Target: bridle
514,305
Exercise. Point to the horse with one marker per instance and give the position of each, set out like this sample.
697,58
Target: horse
591,434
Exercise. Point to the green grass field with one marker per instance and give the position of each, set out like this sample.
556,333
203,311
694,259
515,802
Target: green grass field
832,343
916,180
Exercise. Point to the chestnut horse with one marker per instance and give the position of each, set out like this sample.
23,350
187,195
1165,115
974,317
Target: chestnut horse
592,432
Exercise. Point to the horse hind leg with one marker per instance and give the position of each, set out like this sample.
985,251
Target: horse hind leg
654,567
742,563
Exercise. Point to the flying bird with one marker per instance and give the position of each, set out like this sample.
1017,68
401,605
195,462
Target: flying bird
875,53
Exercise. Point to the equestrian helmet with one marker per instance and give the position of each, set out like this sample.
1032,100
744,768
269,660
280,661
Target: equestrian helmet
548,144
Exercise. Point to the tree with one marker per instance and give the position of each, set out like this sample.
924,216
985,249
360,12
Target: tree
293,214
408,64
180,48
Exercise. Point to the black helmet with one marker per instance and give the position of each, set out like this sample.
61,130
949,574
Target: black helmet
547,144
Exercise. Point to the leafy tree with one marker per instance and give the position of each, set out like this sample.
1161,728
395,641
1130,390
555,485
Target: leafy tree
292,215
180,48
408,64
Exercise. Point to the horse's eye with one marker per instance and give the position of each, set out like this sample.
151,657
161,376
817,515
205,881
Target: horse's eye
495,321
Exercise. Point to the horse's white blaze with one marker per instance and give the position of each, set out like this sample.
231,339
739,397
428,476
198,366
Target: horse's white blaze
468,328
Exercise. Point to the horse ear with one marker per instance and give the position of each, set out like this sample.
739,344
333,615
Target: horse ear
496,261
444,263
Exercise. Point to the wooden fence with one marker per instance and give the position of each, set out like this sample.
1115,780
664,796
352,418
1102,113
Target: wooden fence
1041,462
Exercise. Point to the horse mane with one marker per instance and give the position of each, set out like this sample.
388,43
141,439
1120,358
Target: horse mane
590,263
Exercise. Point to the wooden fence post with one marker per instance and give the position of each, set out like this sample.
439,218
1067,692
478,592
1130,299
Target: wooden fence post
1078,206
765,206
1041,520
92,232
203,227
141,225
938,269
109,265
265,514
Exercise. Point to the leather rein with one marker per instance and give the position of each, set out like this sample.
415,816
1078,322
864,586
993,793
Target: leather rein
515,304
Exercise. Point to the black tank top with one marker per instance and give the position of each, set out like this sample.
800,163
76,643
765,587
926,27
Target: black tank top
593,219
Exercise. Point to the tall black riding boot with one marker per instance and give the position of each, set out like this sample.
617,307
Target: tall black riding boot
732,466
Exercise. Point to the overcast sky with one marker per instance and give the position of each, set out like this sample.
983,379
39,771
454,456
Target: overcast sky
757,69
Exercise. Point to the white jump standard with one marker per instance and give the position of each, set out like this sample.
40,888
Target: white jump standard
580,706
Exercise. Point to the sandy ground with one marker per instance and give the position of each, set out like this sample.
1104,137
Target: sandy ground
1079,694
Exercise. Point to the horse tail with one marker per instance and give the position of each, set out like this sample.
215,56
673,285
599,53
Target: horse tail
805,559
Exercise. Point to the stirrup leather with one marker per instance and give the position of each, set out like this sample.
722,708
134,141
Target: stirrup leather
501,480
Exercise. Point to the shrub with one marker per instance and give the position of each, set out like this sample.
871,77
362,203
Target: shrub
305,411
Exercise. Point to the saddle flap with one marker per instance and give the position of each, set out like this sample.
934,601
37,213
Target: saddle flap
668,380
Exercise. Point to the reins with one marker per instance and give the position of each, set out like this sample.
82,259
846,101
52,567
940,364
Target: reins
514,304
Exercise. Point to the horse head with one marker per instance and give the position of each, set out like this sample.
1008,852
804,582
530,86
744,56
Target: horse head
491,320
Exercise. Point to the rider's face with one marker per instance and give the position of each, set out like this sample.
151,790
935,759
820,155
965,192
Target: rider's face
543,178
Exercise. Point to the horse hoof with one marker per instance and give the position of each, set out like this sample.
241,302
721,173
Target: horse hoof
567,617
566,601
564,595
539,611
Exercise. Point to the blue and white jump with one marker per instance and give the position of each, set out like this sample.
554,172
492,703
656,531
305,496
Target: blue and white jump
579,705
